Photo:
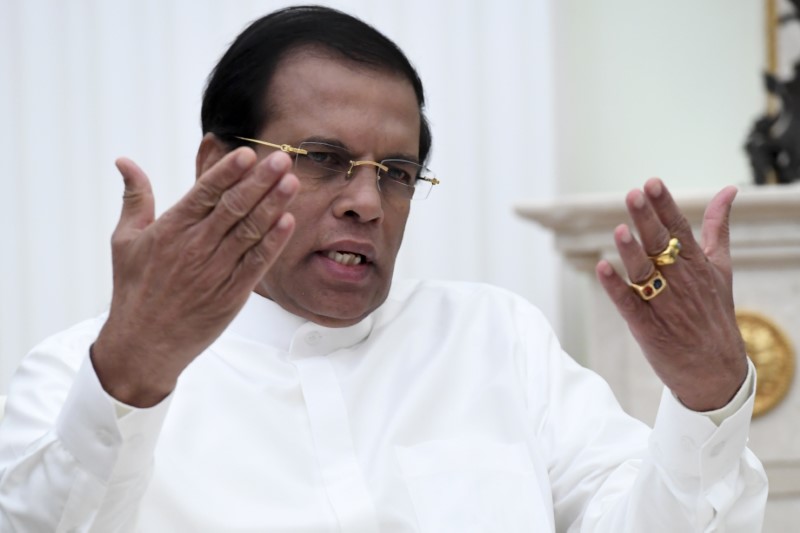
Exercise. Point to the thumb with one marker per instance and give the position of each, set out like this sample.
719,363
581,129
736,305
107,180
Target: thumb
138,204
716,227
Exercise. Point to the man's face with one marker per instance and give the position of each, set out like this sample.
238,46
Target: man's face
374,115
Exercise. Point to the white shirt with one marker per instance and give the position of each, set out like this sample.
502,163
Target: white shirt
452,408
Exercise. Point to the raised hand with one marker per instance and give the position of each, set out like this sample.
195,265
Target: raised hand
181,279
688,330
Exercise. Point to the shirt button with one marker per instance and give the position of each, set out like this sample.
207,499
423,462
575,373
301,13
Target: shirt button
313,337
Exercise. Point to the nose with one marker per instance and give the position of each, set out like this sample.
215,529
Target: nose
360,198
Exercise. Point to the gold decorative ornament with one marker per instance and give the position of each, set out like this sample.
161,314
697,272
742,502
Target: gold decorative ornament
670,253
651,287
773,356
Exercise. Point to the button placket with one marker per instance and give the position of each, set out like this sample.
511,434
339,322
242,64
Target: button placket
342,474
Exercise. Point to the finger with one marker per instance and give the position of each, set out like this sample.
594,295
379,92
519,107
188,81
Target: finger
634,258
236,203
256,262
251,229
627,302
138,204
208,189
716,227
671,217
655,236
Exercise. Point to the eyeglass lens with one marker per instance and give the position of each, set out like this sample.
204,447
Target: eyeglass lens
324,161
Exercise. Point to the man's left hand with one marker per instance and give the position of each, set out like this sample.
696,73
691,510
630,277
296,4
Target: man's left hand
688,332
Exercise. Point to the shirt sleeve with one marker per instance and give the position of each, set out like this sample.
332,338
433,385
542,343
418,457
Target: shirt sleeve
62,442
611,473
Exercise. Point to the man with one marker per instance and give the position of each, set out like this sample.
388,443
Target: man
258,370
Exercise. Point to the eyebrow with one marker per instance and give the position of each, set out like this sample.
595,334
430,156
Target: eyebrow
339,144
327,140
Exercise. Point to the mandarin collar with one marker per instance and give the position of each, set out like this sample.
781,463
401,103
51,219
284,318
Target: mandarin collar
264,321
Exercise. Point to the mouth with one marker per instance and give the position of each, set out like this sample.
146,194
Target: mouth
346,258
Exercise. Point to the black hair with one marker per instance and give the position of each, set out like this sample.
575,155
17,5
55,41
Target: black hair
234,100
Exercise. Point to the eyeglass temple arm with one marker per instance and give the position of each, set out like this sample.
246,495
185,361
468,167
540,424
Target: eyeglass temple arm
283,147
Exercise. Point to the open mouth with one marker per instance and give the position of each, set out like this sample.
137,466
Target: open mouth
346,258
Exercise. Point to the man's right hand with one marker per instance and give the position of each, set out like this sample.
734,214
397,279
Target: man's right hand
181,279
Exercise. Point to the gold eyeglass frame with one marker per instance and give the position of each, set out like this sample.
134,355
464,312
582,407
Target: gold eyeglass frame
289,149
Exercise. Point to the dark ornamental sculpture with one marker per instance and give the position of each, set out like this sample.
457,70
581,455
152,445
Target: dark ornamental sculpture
773,144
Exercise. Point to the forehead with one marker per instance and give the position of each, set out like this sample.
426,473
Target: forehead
314,92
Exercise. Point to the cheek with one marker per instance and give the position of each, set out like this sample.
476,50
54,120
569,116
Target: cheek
307,202
397,224
307,212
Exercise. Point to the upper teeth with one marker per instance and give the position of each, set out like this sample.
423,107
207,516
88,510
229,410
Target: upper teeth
345,258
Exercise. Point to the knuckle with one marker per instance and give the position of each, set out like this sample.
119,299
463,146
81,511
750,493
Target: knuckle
161,239
205,195
257,257
233,202
193,253
247,231
677,223
641,273
660,244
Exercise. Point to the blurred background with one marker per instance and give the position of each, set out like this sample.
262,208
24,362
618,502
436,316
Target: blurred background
528,99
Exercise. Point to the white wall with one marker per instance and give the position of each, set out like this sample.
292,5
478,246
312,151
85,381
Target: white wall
82,82
665,89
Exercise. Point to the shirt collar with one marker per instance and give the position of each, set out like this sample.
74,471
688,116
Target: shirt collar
264,321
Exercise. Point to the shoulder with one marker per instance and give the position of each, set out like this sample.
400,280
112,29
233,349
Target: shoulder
475,324
456,291
408,288
452,298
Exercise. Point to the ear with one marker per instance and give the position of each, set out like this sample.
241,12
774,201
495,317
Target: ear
211,150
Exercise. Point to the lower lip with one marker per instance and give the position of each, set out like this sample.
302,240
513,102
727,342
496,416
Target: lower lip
345,273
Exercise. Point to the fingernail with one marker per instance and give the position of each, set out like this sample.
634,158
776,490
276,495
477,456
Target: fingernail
285,221
625,236
656,189
606,269
278,164
638,200
242,159
285,185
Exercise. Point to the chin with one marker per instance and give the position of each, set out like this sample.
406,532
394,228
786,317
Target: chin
344,310
339,318
329,308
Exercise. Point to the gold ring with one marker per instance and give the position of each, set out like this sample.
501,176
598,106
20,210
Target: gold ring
650,288
670,253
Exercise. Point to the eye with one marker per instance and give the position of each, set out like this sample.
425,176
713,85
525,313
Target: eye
404,172
330,159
